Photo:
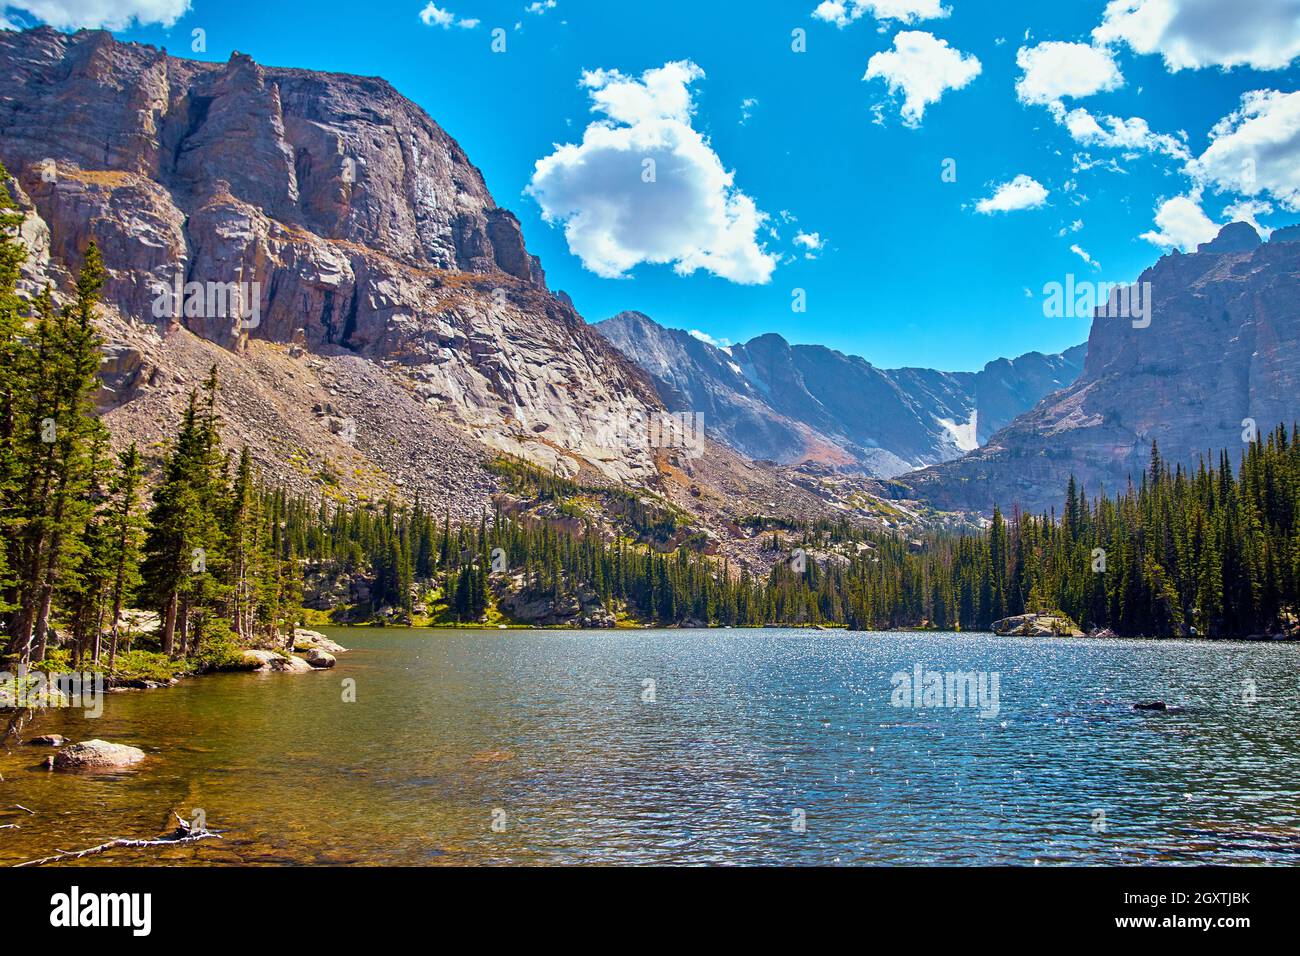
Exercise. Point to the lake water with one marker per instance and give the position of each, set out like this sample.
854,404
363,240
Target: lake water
759,747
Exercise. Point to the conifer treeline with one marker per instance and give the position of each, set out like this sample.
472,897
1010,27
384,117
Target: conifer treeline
78,546
1184,552
222,558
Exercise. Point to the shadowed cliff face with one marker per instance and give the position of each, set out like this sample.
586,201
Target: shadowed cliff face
769,399
1220,356
350,220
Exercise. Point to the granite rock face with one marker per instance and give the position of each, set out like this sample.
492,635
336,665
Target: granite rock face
317,209
807,403
1219,360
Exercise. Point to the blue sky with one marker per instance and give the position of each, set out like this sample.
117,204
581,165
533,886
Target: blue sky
1081,124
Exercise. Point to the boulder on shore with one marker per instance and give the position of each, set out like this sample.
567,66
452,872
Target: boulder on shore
320,659
305,640
48,740
262,660
96,755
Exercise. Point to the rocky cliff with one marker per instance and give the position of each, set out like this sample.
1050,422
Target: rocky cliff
1219,359
797,403
329,233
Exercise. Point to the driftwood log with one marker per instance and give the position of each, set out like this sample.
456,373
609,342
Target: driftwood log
184,833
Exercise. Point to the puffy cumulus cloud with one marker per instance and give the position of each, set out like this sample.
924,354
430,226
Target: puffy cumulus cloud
434,16
1115,132
1054,70
843,12
923,68
1255,149
101,14
1181,224
1023,192
645,186
1190,34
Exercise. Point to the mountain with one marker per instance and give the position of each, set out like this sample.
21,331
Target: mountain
336,255
1218,360
795,403
378,325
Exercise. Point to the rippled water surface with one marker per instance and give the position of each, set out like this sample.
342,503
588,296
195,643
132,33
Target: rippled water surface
749,733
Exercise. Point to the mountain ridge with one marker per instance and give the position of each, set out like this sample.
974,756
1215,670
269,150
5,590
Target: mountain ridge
795,403
1212,365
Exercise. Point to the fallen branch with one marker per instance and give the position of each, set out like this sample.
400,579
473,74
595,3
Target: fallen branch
21,807
184,833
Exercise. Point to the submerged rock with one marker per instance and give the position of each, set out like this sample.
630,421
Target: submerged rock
1151,705
96,755
48,740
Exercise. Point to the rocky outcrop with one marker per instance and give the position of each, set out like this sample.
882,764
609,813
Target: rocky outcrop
544,610
97,755
305,640
1036,625
241,204
263,660
807,403
1218,363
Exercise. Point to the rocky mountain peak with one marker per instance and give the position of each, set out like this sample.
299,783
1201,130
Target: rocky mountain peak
1234,237
240,203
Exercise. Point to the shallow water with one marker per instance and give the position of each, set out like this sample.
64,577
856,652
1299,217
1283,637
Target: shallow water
547,735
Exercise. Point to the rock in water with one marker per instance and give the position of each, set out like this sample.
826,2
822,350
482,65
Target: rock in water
319,658
48,740
97,755
305,640
262,660
1151,705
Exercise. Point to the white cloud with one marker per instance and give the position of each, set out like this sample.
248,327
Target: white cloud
101,14
812,242
1116,132
1054,70
434,16
1082,253
1023,192
1264,34
923,67
747,109
1256,149
1249,210
705,337
843,12
540,7
1181,224
645,186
